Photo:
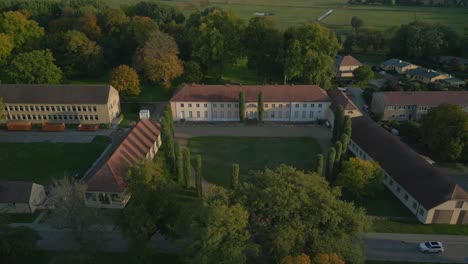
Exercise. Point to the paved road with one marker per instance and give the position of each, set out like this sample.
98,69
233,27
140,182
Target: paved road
403,247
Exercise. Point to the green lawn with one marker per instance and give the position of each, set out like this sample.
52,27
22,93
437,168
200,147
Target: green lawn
251,153
292,12
41,162
22,218
385,204
414,227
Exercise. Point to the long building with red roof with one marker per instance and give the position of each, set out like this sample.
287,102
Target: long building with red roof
106,187
282,103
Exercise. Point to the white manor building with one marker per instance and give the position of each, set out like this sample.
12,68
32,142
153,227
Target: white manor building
282,103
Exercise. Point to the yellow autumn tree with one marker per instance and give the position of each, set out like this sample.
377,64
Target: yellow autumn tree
125,79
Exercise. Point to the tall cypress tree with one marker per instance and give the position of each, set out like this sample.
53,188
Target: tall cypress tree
319,167
180,167
260,106
339,152
242,106
198,169
330,163
347,126
345,140
338,123
235,176
187,169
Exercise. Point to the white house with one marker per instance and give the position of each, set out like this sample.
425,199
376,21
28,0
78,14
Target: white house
282,103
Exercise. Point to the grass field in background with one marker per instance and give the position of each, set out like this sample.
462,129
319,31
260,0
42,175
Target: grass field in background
292,12
42,162
251,153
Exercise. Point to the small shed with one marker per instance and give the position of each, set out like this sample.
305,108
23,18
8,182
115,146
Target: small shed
144,114
21,197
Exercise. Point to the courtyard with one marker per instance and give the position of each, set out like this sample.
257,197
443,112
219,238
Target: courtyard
43,161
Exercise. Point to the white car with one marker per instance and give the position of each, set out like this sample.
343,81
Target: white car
431,247
343,89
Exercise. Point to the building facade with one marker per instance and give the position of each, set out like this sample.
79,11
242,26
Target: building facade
21,197
398,66
403,106
69,104
220,103
425,75
345,65
340,98
429,194
107,185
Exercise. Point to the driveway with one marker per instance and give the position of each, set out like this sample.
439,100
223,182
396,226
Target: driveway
403,247
321,133
68,136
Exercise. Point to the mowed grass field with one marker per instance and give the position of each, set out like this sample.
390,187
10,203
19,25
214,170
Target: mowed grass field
251,153
291,12
42,162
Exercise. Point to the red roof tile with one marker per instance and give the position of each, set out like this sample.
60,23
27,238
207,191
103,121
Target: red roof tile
349,60
230,93
426,98
340,98
133,149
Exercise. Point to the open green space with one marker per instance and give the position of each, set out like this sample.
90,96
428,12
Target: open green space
414,227
251,153
42,162
384,203
292,12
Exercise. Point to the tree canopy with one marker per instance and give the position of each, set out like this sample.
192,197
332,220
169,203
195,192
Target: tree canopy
125,79
292,212
363,74
35,67
26,34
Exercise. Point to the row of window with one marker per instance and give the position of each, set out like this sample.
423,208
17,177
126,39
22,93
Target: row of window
55,117
409,107
47,108
271,114
252,105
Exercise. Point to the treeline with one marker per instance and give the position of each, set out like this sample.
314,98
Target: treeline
49,41
442,3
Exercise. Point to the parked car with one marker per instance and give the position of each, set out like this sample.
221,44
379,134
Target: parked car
365,108
431,247
343,89
327,124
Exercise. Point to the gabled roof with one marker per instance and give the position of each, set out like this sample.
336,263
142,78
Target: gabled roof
396,63
420,71
348,60
230,93
55,94
133,149
425,98
15,192
427,184
340,98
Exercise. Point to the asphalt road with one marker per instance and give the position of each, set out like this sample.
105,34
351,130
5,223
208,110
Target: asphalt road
403,247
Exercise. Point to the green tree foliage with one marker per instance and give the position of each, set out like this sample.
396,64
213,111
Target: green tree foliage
338,123
263,42
318,48
360,179
198,174
180,166
187,168
445,131
339,151
26,34
347,126
219,231
216,40
18,245
2,112
35,67
158,60
77,55
242,106
125,79
363,74
260,106
162,14
307,216
319,166
356,23
330,162
423,41
192,72
167,137
235,176
345,138
88,24
410,131
6,47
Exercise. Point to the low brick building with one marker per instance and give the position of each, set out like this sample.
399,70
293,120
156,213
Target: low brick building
69,104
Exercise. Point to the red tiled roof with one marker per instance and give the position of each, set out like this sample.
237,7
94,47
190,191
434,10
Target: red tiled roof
426,98
349,60
230,93
133,149
340,98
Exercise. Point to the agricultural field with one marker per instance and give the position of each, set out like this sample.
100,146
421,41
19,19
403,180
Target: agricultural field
251,153
42,162
291,12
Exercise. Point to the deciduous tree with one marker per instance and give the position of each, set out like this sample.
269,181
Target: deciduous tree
319,166
198,171
324,258
363,74
360,178
87,23
34,67
356,23
18,245
192,72
338,123
300,259
6,47
26,34
339,151
330,163
125,79
187,168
